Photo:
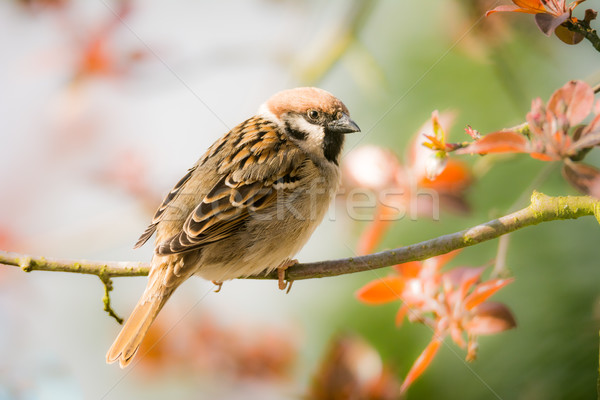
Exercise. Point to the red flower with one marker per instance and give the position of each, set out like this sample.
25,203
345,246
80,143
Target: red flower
550,15
555,135
551,124
451,303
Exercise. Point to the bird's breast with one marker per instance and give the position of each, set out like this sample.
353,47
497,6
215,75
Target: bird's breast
273,234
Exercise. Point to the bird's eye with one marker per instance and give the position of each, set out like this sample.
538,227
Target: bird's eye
313,114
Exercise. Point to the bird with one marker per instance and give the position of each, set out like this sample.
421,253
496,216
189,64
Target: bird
247,206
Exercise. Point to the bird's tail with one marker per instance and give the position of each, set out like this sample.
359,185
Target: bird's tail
127,343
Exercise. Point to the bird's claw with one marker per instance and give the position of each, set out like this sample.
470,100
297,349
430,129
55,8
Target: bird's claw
219,285
283,283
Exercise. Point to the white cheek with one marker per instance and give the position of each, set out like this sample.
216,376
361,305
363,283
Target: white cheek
315,134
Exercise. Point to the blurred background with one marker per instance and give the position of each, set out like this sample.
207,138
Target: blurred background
105,104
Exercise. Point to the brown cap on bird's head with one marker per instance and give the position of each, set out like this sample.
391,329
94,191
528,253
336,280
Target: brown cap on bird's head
302,99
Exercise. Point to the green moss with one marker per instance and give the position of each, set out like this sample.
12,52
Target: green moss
468,240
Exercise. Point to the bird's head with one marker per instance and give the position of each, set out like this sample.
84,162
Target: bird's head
314,119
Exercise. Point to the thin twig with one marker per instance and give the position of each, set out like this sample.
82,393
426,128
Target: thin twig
106,299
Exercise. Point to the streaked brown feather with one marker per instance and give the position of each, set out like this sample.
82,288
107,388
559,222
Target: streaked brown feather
241,155
246,185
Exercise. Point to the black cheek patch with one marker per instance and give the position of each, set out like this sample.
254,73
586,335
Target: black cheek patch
295,133
332,146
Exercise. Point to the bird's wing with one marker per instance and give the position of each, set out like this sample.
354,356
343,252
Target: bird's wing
259,162
164,205
217,152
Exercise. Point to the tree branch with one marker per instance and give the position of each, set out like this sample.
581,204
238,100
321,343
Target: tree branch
110,269
542,208
583,28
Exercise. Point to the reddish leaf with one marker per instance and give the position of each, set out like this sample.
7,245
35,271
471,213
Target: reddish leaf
543,157
464,278
498,142
381,291
523,6
583,177
472,348
505,9
421,363
372,236
402,311
456,333
374,233
455,177
490,318
532,5
575,98
587,141
548,22
593,126
444,259
483,291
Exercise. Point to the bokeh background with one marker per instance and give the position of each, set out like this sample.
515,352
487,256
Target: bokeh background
105,104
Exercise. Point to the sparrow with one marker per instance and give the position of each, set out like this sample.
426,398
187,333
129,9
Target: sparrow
247,206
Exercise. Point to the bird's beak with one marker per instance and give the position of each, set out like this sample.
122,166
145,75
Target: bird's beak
343,125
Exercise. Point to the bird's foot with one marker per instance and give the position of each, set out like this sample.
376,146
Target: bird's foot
219,285
283,283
